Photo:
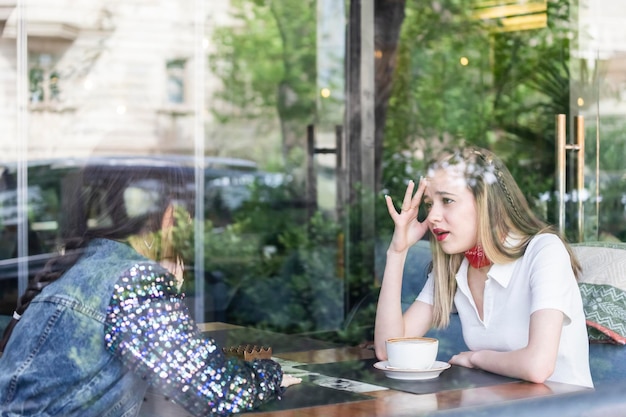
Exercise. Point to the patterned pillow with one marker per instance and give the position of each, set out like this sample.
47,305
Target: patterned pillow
603,289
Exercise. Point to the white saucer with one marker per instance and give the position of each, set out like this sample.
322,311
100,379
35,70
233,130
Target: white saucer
412,374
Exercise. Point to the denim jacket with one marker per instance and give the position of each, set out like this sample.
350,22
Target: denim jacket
92,341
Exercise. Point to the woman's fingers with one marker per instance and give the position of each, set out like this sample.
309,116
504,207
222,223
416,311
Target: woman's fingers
408,229
289,380
417,198
462,359
408,196
390,207
410,202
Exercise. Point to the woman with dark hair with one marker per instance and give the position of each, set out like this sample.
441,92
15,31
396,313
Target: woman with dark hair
105,318
510,276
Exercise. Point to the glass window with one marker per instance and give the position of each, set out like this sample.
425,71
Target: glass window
176,75
44,86
292,121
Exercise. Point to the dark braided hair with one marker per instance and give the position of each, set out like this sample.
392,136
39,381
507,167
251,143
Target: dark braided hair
100,189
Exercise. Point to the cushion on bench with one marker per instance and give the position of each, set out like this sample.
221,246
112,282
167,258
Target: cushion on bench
603,289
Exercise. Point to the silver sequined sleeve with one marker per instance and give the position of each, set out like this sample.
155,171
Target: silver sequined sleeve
150,329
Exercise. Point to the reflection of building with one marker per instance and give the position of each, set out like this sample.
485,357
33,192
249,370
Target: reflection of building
97,77
601,43
6,8
113,76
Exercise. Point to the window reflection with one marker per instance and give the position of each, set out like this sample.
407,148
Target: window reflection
110,85
176,75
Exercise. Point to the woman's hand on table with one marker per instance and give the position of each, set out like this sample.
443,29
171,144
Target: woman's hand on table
289,380
462,359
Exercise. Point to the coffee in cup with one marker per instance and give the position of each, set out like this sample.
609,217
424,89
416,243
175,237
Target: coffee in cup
417,353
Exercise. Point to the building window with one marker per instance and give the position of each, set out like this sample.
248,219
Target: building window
43,79
176,80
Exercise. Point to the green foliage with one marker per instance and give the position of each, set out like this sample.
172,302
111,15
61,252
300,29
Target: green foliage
295,287
266,61
274,269
248,62
461,79
441,92
458,79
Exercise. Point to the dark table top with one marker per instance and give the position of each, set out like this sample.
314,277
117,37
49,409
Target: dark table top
456,377
341,381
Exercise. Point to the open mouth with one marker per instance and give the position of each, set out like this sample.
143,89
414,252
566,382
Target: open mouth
440,234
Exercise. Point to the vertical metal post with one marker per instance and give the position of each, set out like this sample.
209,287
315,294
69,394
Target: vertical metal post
368,129
579,146
199,147
311,180
340,172
340,199
561,148
560,170
22,147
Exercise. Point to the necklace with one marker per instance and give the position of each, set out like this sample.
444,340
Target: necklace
148,245
477,258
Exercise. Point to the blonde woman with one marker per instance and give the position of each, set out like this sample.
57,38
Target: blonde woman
510,276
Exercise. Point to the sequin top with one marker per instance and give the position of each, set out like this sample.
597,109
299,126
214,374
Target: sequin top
150,329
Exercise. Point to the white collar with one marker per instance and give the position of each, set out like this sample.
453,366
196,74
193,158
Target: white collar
501,273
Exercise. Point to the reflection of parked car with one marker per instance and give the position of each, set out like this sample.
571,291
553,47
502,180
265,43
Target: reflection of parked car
226,187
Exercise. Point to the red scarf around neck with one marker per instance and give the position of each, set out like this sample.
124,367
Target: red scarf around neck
477,258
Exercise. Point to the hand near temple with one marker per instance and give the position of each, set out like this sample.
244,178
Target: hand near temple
408,229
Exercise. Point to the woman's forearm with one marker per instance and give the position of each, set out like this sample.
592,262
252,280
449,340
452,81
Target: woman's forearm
523,364
389,322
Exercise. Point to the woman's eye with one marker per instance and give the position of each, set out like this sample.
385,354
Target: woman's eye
447,201
428,206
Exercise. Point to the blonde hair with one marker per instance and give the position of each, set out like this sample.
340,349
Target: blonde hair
506,224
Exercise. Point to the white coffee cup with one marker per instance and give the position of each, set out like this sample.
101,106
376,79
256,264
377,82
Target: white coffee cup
417,353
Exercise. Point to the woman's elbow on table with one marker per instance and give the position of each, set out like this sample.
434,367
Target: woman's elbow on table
539,372
535,366
522,364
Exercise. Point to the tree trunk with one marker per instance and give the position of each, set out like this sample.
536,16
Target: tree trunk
388,18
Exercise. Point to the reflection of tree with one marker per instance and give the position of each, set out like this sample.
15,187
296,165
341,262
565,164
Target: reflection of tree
388,18
532,85
266,62
437,99
464,79
442,75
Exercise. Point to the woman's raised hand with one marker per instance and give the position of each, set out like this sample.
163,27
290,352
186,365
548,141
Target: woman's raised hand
408,230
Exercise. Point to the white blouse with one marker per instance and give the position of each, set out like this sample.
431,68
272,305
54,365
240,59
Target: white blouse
541,279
